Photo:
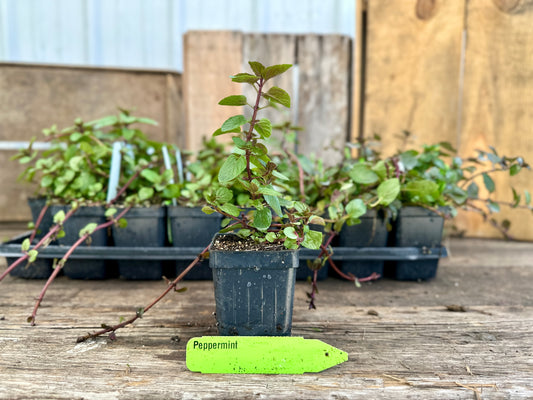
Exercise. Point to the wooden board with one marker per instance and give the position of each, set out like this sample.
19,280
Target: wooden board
209,59
319,84
498,99
34,97
401,340
412,64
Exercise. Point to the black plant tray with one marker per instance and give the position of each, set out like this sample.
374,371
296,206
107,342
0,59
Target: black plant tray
11,249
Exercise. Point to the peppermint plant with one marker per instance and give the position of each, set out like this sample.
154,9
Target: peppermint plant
263,211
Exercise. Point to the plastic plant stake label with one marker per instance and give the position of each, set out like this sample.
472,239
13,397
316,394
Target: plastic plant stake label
260,355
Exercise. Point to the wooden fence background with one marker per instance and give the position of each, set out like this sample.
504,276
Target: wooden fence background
458,71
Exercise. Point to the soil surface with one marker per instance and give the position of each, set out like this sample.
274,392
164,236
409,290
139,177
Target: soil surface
233,242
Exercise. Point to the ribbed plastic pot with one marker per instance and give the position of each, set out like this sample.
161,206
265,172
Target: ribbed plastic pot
191,227
254,291
84,269
146,228
416,227
371,232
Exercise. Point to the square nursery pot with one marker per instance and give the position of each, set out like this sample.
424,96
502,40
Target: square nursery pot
191,227
415,227
36,204
84,268
371,232
146,228
254,291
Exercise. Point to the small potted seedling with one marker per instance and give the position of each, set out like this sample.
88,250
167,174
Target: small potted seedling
255,257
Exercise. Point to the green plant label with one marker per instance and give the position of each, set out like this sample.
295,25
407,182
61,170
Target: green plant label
260,355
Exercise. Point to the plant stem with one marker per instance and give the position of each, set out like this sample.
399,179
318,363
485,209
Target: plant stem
38,222
249,134
61,263
171,286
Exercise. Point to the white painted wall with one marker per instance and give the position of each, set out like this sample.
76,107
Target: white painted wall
148,33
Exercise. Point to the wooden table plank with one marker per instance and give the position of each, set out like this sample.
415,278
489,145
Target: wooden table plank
401,339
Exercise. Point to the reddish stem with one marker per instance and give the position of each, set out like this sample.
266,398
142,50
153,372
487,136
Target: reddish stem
38,222
171,286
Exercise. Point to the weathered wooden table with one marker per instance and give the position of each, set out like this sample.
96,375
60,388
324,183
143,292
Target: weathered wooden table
402,338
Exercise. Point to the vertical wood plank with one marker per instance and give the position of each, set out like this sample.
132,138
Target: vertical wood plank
412,70
358,68
498,99
210,57
324,95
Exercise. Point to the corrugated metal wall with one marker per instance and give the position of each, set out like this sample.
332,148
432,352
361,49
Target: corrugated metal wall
148,33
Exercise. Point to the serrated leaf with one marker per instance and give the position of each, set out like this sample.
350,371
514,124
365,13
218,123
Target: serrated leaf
488,182
257,67
388,191
312,240
278,95
268,190
275,70
279,175
235,100
362,174
233,123
151,176
223,195
262,219
264,128
219,131
244,78
231,209
233,166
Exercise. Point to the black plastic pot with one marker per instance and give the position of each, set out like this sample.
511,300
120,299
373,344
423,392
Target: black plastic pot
41,268
415,227
146,228
305,273
254,291
84,269
191,227
371,232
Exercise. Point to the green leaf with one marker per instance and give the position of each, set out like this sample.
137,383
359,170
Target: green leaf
493,207
312,240
264,128
25,246
271,237
151,175
473,190
527,197
290,232
235,100
489,183
32,255
231,209
262,219
316,220
362,174
244,78
278,95
233,123
409,159
122,223
234,165
388,191
273,202
355,208
515,169
268,190
145,193
422,190
219,131
257,67
59,217
110,212
275,70
75,163
207,210
279,175
88,229
223,195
